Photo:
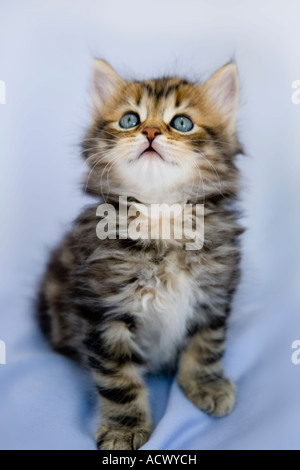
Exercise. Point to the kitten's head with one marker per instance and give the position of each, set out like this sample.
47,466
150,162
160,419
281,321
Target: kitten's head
164,140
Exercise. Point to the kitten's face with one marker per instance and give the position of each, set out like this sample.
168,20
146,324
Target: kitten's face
164,140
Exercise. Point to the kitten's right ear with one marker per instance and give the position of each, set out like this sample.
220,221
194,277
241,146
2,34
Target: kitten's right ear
105,82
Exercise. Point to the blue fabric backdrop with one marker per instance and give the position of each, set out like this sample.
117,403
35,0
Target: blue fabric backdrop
46,49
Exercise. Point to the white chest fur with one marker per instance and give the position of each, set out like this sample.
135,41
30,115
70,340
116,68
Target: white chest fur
166,307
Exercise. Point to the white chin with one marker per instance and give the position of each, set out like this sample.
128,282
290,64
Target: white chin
150,156
151,179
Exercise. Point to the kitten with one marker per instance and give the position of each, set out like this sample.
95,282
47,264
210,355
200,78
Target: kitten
128,306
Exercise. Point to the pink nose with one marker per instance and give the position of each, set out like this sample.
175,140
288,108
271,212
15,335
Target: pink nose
151,133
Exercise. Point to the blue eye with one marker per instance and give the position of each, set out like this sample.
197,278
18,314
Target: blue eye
182,124
129,120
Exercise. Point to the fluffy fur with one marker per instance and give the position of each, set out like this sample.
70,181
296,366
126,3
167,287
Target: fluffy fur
125,307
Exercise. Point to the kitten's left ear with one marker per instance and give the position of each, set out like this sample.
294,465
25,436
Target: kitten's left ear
105,82
223,91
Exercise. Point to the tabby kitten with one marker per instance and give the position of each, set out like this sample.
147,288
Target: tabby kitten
125,307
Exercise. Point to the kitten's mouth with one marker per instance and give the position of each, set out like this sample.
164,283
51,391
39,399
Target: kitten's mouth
151,153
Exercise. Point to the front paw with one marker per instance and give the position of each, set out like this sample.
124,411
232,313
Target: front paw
111,438
214,396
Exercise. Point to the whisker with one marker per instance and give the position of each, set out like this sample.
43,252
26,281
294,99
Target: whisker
110,133
216,141
107,176
215,171
99,152
114,159
99,160
203,186
100,139
202,182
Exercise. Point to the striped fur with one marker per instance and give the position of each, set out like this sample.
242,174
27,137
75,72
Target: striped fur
127,307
